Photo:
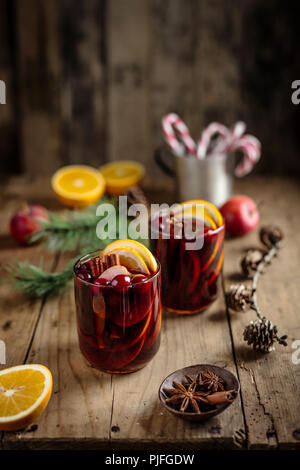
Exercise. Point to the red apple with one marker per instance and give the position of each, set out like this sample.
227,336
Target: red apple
26,221
240,214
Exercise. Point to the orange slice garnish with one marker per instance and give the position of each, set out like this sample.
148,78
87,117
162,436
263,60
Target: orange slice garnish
131,259
138,248
210,211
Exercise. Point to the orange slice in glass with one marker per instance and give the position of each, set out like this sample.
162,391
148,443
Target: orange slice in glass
24,394
78,185
131,259
210,211
121,175
140,249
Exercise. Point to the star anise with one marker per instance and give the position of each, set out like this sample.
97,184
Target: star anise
186,397
212,382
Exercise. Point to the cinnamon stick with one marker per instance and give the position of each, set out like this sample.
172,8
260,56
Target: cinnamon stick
226,396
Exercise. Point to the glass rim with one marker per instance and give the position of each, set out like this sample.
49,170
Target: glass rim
210,231
88,255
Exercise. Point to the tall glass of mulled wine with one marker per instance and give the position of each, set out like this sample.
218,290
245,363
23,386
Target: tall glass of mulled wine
190,277
118,304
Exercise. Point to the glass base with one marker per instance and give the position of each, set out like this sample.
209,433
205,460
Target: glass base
188,312
115,372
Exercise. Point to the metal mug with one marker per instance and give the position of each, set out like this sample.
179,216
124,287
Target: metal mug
210,179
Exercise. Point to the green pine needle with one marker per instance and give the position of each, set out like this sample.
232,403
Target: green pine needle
37,283
72,231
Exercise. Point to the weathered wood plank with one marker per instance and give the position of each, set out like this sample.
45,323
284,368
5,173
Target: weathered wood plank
270,383
128,48
8,124
83,106
86,403
217,88
39,86
79,412
18,315
198,339
174,29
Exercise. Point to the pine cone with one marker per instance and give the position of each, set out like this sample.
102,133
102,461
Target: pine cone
239,297
270,235
251,260
262,335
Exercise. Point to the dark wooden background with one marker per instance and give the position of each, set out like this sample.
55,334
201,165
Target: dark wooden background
89,80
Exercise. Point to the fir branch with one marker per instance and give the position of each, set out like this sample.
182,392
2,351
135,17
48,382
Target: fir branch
72,230
34,282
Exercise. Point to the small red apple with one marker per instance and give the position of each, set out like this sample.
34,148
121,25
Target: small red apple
240,214
25,222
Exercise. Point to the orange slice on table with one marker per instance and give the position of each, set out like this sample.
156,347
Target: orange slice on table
121,175
78,185
24,394
132,247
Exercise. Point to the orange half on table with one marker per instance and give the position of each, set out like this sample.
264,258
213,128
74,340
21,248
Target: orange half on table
121,175
78,185
25,391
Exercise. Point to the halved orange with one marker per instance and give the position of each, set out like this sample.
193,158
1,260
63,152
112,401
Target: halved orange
129,245
78,185
24,394
121,175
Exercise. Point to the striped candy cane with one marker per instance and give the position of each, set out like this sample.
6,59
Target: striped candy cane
229,141
187,145
206,136
251,148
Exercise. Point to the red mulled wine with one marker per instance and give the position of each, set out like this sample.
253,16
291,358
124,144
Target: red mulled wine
190,277
118,312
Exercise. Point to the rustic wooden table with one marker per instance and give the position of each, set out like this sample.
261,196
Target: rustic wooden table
93,410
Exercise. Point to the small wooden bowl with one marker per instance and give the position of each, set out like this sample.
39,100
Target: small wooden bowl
231,383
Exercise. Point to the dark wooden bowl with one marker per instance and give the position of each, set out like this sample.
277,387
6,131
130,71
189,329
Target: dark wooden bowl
231,383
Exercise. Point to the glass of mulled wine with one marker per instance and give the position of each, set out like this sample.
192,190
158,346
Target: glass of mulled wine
118,313
190,277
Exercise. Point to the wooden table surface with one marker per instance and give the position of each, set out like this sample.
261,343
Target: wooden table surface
93,410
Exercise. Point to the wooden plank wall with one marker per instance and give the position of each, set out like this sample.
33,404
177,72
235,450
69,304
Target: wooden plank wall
89,80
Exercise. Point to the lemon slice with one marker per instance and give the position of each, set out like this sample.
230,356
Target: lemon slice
131,259
209,209
24,394
139,248
121,175
78,185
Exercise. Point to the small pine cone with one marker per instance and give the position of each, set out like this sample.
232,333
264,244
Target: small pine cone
239,297
250,261
270,235
262,335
